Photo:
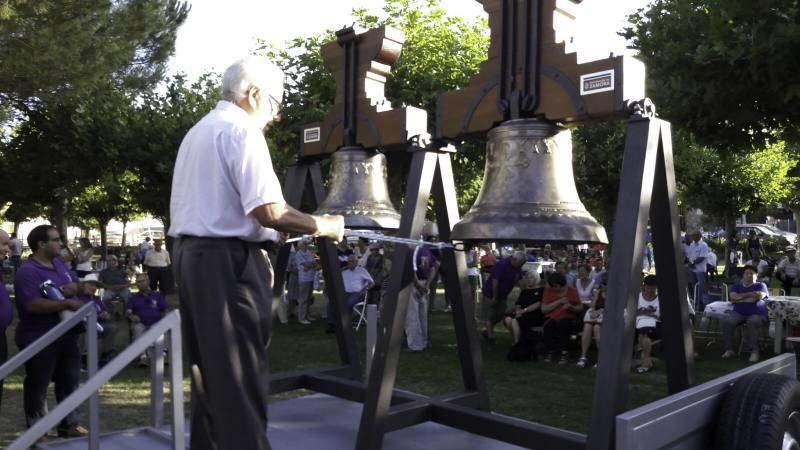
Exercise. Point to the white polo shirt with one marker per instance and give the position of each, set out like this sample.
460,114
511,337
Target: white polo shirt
696,250
356,279
222,173
791,269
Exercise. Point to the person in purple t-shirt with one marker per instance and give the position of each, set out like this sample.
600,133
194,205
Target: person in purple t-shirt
38,313
6,312
749,308
504,276
145,308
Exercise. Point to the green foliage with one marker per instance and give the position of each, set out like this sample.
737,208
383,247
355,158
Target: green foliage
159,124
111,197
440,53
725,70
729,184
597,161
49,49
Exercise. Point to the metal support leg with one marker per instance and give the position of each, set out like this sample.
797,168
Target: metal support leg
457,285
383,372
647,175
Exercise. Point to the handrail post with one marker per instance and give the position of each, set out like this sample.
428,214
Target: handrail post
176,386
372,334
94,400
157,383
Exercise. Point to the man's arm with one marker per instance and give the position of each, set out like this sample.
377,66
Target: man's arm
46,306
284,218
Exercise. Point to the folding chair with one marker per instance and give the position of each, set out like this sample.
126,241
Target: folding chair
360,313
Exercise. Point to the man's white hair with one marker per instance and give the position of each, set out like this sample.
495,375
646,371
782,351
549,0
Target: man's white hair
250,72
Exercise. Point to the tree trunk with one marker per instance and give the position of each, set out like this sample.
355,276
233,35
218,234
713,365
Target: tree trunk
16,228
730,230
103,235
796,216
124,228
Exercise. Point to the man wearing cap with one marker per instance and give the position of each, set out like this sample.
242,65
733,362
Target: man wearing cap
38,308
87,293
226,205
144,309
788,269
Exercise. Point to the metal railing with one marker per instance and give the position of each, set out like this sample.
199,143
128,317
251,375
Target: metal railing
96,379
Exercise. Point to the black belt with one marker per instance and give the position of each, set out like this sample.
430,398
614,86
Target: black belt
268,246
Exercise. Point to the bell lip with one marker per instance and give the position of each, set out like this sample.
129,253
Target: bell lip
372,222
596,236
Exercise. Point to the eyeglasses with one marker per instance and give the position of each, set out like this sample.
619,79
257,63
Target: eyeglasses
58,239
275,104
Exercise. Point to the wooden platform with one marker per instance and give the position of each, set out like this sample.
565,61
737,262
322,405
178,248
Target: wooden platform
316,422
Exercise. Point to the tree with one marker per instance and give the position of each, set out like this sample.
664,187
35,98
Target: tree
730,184
110,198
597,161
725,71
158,126
440,53
49,49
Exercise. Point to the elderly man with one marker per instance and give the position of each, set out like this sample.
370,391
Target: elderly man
115,281
226,205
157,262
788,269
357,282
43,287
6,312
749,308
504,276
696,253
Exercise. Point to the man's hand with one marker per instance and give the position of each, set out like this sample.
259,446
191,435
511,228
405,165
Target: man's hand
70,290
134,318
330,226
73,304
104,316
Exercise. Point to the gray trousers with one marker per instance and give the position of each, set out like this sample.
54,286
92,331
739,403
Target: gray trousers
417,321
752,326
225,304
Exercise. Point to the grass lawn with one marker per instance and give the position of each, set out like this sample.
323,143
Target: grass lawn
546,393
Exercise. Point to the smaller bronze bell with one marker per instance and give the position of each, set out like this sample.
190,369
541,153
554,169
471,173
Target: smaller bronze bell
358,190
528,192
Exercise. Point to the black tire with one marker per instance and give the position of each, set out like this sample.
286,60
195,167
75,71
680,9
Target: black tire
758,412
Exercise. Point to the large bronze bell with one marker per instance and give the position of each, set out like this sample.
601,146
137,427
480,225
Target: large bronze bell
358,190
528,192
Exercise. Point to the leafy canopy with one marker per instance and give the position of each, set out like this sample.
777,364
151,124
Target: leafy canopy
49,49
725,70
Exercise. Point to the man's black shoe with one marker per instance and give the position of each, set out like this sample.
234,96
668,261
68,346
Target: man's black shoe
330,330
73,432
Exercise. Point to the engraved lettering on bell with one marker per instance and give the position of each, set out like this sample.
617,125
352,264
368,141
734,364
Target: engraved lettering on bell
359,191
528,192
